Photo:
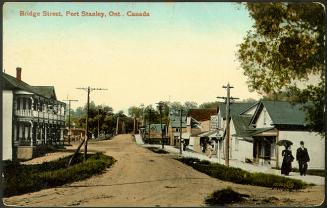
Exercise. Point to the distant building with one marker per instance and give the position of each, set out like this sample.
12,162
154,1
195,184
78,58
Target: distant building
175,124
200,124
155,134
32,116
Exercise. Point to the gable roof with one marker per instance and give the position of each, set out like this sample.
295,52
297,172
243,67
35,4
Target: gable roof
46,91
235,108
249,108
241,124
202,114
282,113
11,82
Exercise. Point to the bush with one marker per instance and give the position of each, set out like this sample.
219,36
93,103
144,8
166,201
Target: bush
19,179
237,175
224,196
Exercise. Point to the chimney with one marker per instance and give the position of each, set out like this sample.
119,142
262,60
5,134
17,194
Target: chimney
19,73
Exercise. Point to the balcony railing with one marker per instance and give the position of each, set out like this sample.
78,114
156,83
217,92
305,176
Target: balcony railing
35,114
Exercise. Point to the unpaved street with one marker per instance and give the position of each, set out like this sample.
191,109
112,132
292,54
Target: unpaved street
143,178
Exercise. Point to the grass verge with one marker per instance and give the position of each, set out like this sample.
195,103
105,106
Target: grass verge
224,196
237,175
157,150
20,179
316,172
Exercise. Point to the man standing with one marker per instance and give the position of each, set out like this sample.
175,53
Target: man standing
302,157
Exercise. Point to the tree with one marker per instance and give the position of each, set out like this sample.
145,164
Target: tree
249,100
283,50
190,105
209,105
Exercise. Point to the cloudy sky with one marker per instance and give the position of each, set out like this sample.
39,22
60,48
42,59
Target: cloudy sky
181,52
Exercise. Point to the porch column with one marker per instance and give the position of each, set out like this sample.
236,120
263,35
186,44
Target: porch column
15,132
277,150
31,133
218,151
41,134
19,131
32,104
45,134
62,135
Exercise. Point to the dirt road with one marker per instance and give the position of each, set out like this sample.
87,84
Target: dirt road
143,178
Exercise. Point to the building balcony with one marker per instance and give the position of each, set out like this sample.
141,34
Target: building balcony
37,114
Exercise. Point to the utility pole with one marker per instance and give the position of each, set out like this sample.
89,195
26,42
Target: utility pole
149,125
99,122
134,125
160,110
227,99
89,90
69,132
117,126
180,131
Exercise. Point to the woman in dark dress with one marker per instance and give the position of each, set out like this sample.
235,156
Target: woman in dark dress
287,160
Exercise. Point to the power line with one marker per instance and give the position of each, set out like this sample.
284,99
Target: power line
88,90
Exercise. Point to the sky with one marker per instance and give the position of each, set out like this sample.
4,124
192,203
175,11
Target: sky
180,52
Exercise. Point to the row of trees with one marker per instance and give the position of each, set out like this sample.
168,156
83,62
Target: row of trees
152,113
101,115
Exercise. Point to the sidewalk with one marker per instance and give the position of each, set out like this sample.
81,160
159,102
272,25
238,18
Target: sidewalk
138,139
245,166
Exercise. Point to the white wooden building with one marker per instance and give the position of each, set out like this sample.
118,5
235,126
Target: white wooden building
32,117
256,130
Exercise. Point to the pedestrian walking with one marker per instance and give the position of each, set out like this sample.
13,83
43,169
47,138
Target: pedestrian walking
302,156
287,160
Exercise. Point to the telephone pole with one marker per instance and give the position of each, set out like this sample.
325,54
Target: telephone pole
88,90
227,141
160,110
99,122
149,125
117,126
180,131
69,132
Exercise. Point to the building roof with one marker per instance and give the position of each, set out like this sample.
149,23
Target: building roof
11,82
241,124
46,91
175,121
235,108
202,114
283,113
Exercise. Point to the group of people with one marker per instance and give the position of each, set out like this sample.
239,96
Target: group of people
302,156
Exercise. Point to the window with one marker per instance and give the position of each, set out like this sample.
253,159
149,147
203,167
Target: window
264,117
